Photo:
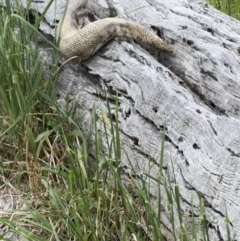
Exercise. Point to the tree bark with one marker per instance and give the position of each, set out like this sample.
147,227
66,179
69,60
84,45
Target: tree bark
195,93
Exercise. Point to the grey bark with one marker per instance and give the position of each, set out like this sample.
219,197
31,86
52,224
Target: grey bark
196,93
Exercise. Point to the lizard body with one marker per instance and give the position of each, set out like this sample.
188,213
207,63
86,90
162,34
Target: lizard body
83,41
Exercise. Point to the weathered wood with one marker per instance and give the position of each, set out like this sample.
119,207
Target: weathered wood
196,91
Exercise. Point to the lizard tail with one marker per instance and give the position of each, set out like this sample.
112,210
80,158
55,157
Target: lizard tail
88,40
139,33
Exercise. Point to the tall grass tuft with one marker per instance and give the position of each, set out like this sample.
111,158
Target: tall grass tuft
230,7
27,98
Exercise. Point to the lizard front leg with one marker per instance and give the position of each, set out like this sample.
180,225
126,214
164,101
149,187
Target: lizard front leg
81,13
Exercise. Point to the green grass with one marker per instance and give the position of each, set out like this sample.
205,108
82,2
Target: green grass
44,158
230,7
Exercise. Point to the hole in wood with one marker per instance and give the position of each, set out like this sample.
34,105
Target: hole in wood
198,111
135,140
155,109
190,42
195,146
210,30
180,138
